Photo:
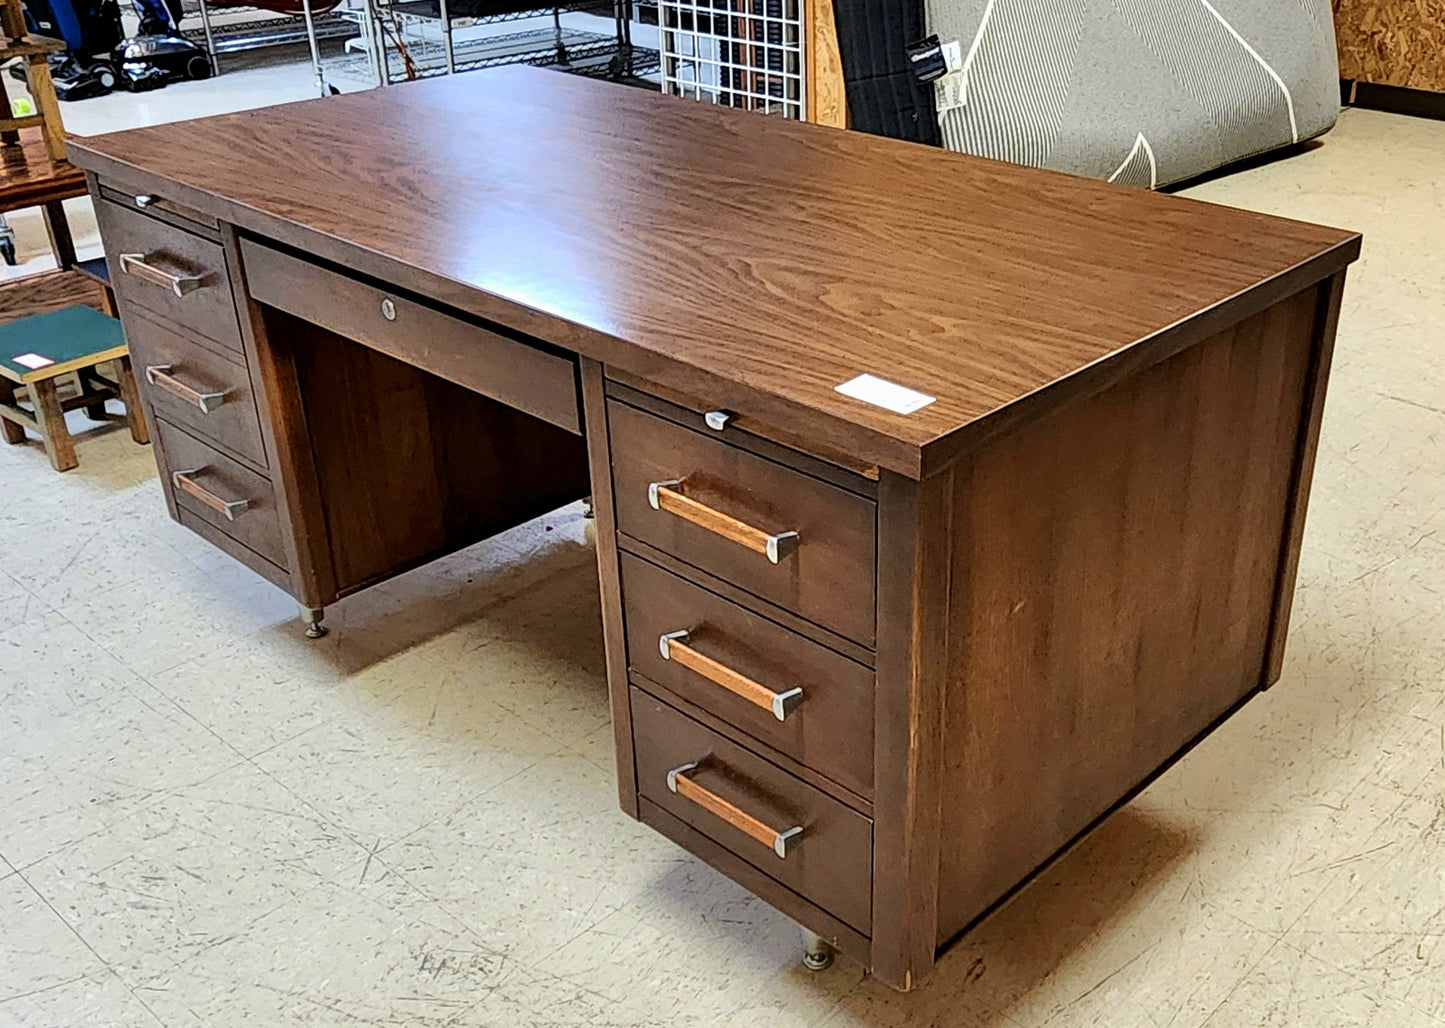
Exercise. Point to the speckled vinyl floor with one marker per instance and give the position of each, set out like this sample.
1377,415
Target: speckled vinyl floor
207,820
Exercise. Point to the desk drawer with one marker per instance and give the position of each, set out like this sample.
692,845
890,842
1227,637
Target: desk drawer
196,388
717,505
226,495
520,375
748,671
168,271
756,810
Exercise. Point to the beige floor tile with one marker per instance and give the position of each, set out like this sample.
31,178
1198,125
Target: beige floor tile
100,550
49,668
1383,920
421,609
532,999
88,768
192,868
694,948
1109,935
268,688
1290,988
537,656
38,950
99,999
351,951
16,602
388,771
159,618
537,861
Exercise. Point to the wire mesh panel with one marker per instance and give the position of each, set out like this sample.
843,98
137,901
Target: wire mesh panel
738,53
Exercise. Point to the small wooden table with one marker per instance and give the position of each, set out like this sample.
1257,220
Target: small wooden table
37,350
28,178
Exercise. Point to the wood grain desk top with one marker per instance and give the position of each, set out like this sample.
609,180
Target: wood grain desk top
669,238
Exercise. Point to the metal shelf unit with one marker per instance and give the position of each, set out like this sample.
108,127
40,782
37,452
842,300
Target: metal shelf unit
256,33
417,39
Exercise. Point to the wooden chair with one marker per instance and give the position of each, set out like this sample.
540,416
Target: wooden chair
38,350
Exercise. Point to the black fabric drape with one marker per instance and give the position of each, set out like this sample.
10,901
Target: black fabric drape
883,96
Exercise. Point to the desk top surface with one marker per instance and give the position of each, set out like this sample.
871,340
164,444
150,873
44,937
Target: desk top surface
663,235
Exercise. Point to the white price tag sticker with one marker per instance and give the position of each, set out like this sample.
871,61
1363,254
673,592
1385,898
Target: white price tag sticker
882,393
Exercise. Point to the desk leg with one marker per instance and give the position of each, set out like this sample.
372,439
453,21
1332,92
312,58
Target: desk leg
312,617
61,244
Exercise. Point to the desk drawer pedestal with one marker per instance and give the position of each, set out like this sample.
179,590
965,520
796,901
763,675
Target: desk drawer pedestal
1060,613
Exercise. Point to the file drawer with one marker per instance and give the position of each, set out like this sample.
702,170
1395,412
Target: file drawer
195,388
789,830
802,699
228,496
171,272
794,540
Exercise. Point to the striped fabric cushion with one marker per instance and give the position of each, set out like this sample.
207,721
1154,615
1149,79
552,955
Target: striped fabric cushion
1142,92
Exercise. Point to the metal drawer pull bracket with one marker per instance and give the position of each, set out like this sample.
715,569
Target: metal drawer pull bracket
674,646
186,482
135,264
159,375
668,496
781,842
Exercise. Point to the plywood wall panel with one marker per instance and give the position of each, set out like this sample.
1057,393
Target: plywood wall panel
1392,42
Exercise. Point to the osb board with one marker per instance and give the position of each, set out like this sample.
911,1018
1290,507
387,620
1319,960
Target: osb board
47,291
1392,42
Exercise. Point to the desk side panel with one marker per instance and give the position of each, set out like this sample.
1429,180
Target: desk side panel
1115,574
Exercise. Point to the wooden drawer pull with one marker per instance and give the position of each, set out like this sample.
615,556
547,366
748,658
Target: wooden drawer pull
159,375
781,842
135,264
668,496
674,646
186,482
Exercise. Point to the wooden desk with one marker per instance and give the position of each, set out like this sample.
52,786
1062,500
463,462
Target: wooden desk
465,301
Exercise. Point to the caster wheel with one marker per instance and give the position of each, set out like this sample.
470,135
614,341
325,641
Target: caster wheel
197,68
7,251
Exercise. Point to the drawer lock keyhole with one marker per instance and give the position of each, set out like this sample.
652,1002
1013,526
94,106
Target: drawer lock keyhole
388,309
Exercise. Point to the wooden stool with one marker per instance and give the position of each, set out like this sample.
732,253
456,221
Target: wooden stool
36,351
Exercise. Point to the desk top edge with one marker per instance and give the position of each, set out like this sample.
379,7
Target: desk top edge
908,446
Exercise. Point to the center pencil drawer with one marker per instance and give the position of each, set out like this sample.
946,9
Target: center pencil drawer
801,543
784,827
195,387
526,377
802,699
170,272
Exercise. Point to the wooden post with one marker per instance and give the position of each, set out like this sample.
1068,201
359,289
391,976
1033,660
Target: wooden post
827,98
